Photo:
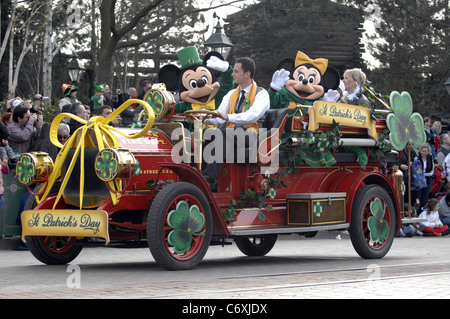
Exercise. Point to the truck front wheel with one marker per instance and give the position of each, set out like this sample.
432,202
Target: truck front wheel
373,222
179,227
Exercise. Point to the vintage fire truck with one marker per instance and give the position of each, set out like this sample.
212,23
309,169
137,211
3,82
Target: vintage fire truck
318,170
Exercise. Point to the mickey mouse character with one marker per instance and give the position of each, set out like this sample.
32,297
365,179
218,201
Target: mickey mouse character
310,79
196,82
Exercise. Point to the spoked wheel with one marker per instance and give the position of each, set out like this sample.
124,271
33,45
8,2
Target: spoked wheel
256,245
179,227
53,250
50,250
373,222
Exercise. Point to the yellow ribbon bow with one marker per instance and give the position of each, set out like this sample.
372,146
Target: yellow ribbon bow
320,64
81,139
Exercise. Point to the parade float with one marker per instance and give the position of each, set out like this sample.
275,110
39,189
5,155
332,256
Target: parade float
142,186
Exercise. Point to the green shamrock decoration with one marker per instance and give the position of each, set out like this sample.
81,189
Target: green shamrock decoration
378,226
272,193
186,222
106,165
317,209
155,99
404,125
25,170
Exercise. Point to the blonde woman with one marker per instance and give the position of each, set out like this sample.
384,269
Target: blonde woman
354,80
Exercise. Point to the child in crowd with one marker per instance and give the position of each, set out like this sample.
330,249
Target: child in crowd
433,224
4,170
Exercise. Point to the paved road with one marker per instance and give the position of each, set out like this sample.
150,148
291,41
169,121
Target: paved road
302,268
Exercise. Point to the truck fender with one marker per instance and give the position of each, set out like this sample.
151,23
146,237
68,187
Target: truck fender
353,182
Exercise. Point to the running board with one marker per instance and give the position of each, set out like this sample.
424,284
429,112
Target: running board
285,230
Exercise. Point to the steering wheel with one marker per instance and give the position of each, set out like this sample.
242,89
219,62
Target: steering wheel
199,114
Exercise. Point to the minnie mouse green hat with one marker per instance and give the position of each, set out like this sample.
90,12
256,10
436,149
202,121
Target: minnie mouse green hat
189,57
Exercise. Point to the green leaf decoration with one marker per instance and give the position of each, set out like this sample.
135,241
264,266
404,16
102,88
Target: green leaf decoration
156,101
317,209
361,155
378,226
262,216
186,222
25,170
106,165
404,125
272,193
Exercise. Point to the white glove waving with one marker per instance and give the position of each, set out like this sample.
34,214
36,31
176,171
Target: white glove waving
331,96
279,79
217,64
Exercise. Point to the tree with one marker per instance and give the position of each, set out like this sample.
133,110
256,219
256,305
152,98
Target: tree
411,45
162,14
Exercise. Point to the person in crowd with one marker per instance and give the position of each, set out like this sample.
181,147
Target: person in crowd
132,95
7,118
410,230
354,80
426,160
109,101
105,111
4,170
444,209
79,110
429,135
6,152
87,112
130,112
146,85
98,99
37,104
70,95
63,133
241,107
9,104
24,129
433,223
443,151
436,130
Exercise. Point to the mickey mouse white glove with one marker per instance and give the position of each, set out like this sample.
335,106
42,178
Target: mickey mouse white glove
279,79
217,64
331,96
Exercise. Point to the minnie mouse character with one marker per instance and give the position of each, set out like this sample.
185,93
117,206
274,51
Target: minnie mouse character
310,80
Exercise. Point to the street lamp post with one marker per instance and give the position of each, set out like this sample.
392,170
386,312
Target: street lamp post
219,41
76,70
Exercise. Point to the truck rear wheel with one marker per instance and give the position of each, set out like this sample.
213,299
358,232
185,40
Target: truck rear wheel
179,227
373,222
256,245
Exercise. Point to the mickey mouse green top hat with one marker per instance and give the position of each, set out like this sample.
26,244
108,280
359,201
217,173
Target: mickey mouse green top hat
189,57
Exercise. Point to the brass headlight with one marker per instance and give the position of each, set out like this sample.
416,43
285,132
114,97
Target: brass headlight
160,100
112,163
33,167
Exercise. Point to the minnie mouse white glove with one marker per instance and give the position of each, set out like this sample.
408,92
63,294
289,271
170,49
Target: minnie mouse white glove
331,96
217,64
279,79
